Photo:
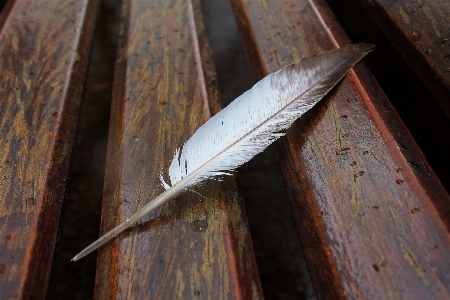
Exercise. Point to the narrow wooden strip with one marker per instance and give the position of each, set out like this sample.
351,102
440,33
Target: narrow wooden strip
44,47
372,216
402,86
420,30
195,246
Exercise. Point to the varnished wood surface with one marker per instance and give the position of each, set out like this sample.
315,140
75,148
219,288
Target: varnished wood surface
420,30
372,216
195,246
422,115
44,46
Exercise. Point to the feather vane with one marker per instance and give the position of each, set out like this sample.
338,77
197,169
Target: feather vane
249,124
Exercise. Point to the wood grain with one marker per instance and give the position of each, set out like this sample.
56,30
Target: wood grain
195,246
404,89
44,47
372,216
420,31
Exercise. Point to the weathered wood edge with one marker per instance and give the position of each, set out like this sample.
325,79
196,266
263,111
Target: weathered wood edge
69,116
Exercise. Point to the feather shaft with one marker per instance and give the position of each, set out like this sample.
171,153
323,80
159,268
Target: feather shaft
253,121
129,222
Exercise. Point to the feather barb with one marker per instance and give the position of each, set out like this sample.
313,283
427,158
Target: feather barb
248,125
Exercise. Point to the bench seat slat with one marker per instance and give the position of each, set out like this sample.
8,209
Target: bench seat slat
195,246
420,30
372,216
44,49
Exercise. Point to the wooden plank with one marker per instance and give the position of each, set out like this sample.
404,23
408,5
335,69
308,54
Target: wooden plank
194,246
87,173
372,216
412,101
420,31
44,47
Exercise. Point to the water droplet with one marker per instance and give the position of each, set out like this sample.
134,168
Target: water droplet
444,41
376,267
403,147
360,173
322,213
416,165
415,36
428,51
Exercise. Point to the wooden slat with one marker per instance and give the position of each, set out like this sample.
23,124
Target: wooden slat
194,246
44,48
412,101
420,30
372,216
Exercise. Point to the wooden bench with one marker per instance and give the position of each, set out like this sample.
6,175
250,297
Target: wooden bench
372,216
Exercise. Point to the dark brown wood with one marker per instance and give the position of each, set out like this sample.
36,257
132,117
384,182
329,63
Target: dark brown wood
424,118
195,246
372,216
44,47
420,31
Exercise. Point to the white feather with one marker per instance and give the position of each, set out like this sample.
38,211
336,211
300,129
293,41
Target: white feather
249,124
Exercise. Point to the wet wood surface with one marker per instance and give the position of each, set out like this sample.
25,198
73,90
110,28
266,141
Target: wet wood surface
372,216
195,246
422,115
420,31
44,47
